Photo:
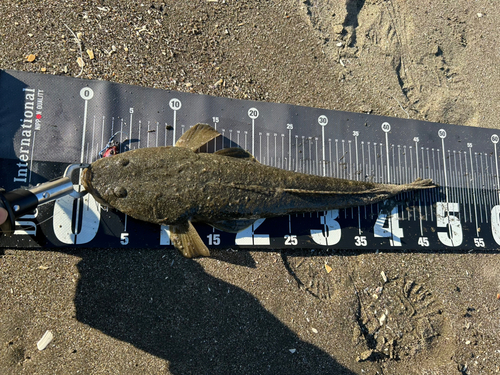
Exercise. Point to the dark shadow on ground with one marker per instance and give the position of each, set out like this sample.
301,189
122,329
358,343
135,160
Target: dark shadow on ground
353,8
168,306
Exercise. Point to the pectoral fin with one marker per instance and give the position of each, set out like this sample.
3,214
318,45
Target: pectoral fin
187,240
233,226
236,152
197,136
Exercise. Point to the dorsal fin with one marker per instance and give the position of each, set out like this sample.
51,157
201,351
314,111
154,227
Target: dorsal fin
197,136
236,152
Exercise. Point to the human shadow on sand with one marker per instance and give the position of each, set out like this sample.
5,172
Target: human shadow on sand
170,307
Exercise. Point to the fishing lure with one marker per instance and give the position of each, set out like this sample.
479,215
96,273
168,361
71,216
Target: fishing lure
111,148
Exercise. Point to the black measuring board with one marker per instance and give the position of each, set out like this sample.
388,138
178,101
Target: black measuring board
48,122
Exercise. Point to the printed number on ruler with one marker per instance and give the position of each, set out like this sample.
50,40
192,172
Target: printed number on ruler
291,240
249,237
124,239
330,233
360,241
495,223
388,226
213,239
175,104
423,241
446,219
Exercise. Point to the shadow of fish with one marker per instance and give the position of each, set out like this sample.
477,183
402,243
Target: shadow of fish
228,189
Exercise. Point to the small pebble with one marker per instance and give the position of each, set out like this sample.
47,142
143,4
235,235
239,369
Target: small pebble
31,57
384,277
435,50
382,319
328,268
338,29
292,350
45,340
314,330
364,356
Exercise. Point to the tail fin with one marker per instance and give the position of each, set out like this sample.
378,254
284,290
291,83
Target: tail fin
420,184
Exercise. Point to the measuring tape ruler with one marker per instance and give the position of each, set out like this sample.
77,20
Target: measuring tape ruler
51,121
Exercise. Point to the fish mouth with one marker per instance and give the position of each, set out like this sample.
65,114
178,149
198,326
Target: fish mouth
86,182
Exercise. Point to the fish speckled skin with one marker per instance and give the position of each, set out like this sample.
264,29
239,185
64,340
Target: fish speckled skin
176,185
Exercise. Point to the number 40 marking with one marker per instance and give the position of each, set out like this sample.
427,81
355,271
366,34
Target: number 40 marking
392,229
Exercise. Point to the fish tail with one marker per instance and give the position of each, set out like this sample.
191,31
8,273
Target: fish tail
392,189
420,183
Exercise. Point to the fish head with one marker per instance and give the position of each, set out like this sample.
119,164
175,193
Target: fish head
86,181
149,184
108,180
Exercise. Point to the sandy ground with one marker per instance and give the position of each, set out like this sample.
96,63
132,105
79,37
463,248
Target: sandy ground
150,312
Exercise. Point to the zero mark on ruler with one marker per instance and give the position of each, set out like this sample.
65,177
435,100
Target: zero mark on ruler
87,93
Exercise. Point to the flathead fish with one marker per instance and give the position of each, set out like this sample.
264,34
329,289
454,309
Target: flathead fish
228,189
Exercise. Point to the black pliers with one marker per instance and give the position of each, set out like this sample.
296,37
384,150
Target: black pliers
19,202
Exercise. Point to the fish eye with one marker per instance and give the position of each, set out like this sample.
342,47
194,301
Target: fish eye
120,192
